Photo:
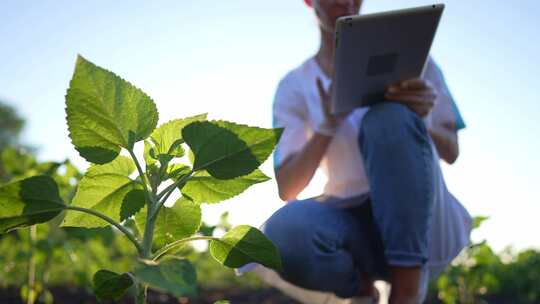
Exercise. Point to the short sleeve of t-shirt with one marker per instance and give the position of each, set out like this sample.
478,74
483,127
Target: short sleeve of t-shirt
289,113
446,109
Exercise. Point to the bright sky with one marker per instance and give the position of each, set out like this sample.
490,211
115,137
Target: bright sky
226,57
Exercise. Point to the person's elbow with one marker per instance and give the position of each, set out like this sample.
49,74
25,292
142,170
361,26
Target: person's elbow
285,193
285,189
452,154
285,196
450,143
284,183
451,159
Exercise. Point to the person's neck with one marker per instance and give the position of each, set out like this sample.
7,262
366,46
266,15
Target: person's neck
325,55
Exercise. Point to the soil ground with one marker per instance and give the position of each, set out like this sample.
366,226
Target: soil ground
73,295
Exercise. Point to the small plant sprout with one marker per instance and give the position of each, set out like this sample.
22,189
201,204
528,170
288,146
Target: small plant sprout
107,115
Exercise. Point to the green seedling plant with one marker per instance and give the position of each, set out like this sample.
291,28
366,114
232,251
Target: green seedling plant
106,117
19,163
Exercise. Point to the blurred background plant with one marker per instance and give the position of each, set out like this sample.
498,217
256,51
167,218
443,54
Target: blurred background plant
479,275
46,255
11,125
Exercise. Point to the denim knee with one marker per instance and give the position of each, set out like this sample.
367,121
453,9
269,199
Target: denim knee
310,238
385,123
399,165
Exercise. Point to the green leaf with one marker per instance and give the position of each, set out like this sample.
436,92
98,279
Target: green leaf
17,162
191,157
173,275
204,188
222,302
224,221
206,229
148,154
478,220
227,150
105,234
180,221
244,244
104,188
29,201
109,285
167,138
176,171
48,168
105,113
132,203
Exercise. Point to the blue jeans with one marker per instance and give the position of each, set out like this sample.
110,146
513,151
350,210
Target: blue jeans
326,248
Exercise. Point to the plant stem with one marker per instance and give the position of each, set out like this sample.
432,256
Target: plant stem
123,229
164,195
165,191
140,289
175,184
170,246
140,297
46,267
162,167
146,252
31,293
151,200
148,235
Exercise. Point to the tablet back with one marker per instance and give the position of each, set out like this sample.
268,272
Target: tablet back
376,50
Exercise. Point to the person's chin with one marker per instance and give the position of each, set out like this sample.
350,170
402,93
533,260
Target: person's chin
345,13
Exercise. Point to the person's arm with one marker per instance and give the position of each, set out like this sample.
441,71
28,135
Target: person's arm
445,139
443,128
297,170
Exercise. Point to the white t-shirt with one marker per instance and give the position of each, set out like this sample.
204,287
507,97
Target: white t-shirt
297,108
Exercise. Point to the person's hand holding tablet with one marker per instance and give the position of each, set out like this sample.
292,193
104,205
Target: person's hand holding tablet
417,94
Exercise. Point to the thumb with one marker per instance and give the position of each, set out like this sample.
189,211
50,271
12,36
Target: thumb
324,98
320,87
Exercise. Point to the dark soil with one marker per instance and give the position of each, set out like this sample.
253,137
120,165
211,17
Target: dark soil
74,295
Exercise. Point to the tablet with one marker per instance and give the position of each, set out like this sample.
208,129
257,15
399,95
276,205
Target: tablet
374,51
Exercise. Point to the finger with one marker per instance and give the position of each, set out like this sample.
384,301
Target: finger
421,111
428,91
424,98
429,85
324,98
393,89
320,87
427,98
414,84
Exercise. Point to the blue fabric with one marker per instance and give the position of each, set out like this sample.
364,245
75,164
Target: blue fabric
460,123
399,164
276,157
324,247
